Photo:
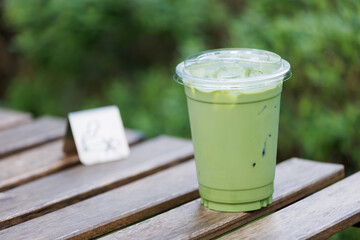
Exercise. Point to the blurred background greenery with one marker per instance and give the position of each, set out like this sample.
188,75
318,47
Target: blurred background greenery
59,56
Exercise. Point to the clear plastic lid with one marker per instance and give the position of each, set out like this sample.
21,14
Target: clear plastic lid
237,68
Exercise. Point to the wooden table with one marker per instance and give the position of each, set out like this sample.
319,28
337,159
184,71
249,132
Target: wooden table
153,194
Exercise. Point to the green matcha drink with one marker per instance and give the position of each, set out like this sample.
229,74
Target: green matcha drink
233,98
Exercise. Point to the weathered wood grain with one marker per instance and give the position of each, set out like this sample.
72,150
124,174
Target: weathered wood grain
116,208
154,194
294,180
41,130
31,164
80,182
11,118
316,217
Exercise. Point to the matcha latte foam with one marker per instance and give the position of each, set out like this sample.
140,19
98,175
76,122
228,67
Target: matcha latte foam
233,99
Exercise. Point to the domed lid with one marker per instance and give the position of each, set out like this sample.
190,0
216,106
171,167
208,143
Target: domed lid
238,68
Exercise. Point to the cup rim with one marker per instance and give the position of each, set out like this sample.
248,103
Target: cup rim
282,73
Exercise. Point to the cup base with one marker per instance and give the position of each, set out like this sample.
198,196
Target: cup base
236,200
236,207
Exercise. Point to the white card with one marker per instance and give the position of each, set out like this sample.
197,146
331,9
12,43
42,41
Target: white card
99,135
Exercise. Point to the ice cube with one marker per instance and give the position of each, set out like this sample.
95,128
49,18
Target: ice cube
231,72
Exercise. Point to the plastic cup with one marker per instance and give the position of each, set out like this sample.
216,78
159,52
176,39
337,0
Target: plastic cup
233,98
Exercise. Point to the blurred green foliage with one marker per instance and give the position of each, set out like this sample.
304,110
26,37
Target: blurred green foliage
89,53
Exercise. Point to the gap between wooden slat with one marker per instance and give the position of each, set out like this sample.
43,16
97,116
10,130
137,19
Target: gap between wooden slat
160,192
294,180
316,217
78,183
11,118
37,132
31,164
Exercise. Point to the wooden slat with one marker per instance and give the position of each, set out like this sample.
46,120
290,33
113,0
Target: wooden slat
11,118
134,136
80,182
31,134
157,193
316,217
28,165
113,209
295,179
